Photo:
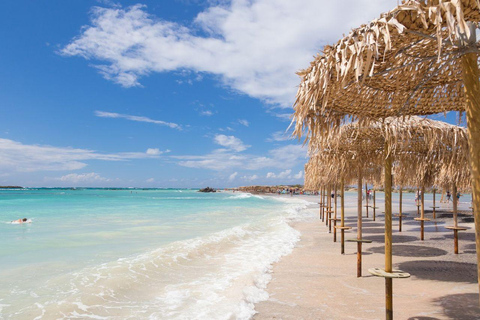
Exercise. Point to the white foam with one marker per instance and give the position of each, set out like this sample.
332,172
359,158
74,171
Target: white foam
218,276
245,196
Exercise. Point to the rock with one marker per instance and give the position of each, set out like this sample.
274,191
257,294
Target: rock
207,189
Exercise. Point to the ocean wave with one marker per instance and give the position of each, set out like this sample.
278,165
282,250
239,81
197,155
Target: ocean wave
218,276
245,196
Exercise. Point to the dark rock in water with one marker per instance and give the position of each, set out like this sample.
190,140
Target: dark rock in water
207,189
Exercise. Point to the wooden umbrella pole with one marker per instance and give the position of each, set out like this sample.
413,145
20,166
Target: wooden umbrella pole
335,215
471,87
400,210
342,215
455,206
366,198
359,223
455,219
416,202
422,216
374,207
388,233
323,204
320,206
329,208
327,190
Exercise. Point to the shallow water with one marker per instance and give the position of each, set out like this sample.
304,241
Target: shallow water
139,254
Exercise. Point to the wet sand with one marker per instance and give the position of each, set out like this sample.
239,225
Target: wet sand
316,282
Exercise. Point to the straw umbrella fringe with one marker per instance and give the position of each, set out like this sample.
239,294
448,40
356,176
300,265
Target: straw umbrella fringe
420,58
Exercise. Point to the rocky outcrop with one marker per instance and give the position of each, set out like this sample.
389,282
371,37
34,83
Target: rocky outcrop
207,189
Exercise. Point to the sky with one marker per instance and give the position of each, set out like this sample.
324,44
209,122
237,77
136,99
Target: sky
164,93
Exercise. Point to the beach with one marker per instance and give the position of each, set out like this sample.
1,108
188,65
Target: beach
316,282
88,253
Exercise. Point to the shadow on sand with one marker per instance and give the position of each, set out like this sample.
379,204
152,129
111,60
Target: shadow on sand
470,246
373,230
441,270
403,250
460,306
395,238
462,236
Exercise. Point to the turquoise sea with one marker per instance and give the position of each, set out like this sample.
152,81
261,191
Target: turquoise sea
139,254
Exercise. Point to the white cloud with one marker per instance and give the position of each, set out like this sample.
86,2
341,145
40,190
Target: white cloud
271,175
16,156
82,178
230,142
284,116
280,136
299,175
103,114
226,129
282,175
243,122
154,151
232,176
206,113
250,178
150,180
255,46
281,158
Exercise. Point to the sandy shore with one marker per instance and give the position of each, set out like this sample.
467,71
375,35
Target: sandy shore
316,282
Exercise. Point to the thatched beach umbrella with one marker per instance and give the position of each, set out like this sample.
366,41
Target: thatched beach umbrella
413,143
418,59
330,165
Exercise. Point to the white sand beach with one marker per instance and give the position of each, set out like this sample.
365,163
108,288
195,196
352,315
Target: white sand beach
317,282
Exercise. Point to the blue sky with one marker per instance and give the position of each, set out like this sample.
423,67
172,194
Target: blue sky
177,93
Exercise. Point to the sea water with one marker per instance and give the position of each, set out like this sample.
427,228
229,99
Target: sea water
139,254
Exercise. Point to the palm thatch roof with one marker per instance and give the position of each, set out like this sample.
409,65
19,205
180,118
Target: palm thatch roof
404,63
426,152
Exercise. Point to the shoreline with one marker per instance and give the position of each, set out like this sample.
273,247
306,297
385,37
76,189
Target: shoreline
316,282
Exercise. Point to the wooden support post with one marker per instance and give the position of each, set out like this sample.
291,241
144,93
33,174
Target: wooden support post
374,205
323,204
455,205
422,222
342,214
320,206
400,210
471,87
416,201
335,216
366,198
434,205
329,208
455,241
359,223
455,218
327,201
388,232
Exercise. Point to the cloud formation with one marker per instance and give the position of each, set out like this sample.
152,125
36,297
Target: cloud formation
243,122
15,156
103,114
282,158
232,176
83,178
280,136
156,151
230,142
254,46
